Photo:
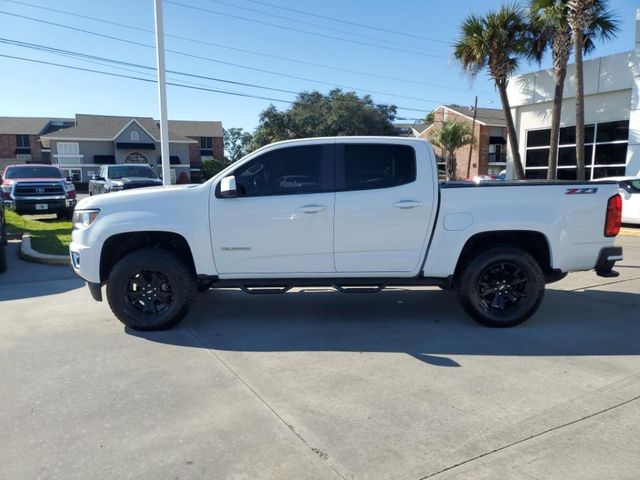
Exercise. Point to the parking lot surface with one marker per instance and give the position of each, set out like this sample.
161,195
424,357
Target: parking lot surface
319,384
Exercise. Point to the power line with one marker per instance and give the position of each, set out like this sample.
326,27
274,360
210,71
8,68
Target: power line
340,20
200,57
242,50
88,57
316,25
148,80
299,30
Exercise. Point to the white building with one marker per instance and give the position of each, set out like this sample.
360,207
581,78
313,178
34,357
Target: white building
612,117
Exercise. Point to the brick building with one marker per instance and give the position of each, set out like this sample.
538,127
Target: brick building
80,145
489,154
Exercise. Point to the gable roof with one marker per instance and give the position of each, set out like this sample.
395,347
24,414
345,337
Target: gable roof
194,128
104,127
27,125
487,116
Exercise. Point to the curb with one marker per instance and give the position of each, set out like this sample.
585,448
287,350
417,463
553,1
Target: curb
29,254
630,232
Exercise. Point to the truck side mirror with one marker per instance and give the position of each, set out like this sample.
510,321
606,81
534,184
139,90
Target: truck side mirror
228,187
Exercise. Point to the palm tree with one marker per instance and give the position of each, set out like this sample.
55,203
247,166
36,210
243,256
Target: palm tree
496,41
450,136
549,19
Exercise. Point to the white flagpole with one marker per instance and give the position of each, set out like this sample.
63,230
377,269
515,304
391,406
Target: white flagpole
162,95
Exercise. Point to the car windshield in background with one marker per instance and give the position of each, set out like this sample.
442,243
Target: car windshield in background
132,171
32,172
631,186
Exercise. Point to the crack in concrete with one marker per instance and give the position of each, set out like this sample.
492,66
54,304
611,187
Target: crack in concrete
263,401
530,437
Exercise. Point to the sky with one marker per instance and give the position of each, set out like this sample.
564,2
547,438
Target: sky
405,59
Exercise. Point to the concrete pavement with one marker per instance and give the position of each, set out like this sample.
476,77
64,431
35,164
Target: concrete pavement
317,384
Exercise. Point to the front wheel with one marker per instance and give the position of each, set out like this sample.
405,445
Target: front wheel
151,289
501,287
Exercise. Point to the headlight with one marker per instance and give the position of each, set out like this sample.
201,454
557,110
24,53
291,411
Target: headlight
69,187
84,218
116,187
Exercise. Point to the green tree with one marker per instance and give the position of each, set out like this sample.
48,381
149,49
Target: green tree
496,41
450,136
316,115
211,168
236,143
581,16
429,118
549,19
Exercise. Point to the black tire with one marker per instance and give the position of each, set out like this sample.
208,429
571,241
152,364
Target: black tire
3,257
501,287
151,289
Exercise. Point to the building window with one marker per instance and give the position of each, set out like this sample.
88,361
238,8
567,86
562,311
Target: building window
605,151
136,157
206,147
135,137
22,141
66,148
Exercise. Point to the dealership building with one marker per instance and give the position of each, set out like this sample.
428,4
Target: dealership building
612,117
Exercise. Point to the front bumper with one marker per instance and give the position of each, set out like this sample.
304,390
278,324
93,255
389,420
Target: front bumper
30,205
606,260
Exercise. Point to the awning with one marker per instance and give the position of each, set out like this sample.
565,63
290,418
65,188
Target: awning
104,159
173,160
136,146
497,141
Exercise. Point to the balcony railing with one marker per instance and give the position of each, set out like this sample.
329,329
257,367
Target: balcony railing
68,159
498,158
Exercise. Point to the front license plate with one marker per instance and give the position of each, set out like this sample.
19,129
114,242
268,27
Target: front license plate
42,206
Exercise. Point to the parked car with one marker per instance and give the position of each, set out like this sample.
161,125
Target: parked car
369,214
113,178
36,188
3,239
630,193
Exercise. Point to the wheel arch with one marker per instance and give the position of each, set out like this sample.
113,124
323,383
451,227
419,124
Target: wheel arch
120,244
534,242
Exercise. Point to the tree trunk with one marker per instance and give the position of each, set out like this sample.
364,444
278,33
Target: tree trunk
560,76
511,130
452,165
577,51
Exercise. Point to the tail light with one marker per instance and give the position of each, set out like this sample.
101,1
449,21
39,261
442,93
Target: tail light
614,216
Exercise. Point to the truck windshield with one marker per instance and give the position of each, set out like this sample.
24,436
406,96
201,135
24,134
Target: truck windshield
143,171
32,172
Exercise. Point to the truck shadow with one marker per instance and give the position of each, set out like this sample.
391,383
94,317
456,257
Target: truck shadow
426,324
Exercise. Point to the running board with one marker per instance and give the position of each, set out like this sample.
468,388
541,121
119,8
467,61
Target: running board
358,288
264,290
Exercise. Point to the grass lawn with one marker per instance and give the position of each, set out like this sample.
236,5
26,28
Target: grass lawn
47,236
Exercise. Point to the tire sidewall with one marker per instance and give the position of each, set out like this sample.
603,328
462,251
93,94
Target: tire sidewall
157,260
528,305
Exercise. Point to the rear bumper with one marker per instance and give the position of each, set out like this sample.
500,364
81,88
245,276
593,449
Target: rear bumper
606,260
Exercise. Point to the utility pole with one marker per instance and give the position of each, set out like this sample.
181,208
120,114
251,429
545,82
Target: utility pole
162,95
473,130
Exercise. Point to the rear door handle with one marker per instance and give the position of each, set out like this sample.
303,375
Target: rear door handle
312,208
406,204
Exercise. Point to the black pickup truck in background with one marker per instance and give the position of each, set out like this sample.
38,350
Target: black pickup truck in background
113,178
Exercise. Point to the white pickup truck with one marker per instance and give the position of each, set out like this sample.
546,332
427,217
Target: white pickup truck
355,213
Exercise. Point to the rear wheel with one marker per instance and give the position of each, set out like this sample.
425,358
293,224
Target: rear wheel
151,289
501,287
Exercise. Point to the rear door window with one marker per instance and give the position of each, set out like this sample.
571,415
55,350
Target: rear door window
370,166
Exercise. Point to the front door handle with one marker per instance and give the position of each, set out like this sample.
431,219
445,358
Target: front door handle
312,208
406,204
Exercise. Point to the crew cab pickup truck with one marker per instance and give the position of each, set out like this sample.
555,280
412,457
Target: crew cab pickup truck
38,189
355,213
113,178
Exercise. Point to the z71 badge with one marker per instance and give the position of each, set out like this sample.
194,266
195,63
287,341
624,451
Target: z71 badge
580,191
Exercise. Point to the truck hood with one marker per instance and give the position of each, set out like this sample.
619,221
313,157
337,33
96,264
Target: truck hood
11,181
151,198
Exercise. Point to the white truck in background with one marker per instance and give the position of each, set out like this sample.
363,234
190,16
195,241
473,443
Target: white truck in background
355,213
